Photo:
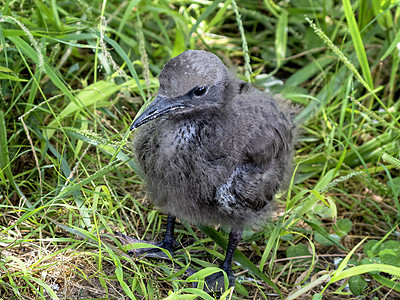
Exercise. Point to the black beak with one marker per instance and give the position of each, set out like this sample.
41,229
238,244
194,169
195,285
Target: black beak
159,107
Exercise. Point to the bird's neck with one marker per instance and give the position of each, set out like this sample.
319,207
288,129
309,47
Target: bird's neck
188,131
193,129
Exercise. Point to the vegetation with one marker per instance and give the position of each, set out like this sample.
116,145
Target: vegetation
73,75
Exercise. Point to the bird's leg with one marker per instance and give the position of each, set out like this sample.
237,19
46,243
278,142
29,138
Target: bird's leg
234,238
215,282
167,243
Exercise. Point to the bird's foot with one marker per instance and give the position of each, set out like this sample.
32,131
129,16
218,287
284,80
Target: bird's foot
216,283
150,251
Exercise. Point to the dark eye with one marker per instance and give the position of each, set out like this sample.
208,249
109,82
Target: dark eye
199,91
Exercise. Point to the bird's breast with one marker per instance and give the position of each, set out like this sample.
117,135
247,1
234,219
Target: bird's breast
190,145
178,140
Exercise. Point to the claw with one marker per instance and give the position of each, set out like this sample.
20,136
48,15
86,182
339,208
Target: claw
215,282
146,252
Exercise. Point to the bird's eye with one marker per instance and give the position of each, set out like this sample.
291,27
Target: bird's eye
200,91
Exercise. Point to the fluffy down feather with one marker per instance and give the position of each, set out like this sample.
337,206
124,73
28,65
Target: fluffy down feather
221,158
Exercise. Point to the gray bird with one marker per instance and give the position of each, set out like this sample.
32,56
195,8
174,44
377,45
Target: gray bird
213,149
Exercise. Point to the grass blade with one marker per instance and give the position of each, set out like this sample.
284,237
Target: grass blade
358,43
281,36
203,16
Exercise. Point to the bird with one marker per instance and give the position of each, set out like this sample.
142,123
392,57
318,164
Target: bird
213,149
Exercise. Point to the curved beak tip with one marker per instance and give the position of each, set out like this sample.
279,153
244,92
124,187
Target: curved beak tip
159,107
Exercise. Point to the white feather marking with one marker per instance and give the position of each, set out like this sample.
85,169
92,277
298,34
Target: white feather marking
224,196
186,133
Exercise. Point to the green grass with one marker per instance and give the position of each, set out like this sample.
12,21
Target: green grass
73,75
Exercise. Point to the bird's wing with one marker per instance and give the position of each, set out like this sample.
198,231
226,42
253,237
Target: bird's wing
265,159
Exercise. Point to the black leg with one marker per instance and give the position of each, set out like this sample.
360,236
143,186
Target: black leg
215,282
167,243
234,238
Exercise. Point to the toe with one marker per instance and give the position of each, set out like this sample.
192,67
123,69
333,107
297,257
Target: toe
216,282
152,252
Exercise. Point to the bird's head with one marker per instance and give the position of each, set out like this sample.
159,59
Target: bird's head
191,82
